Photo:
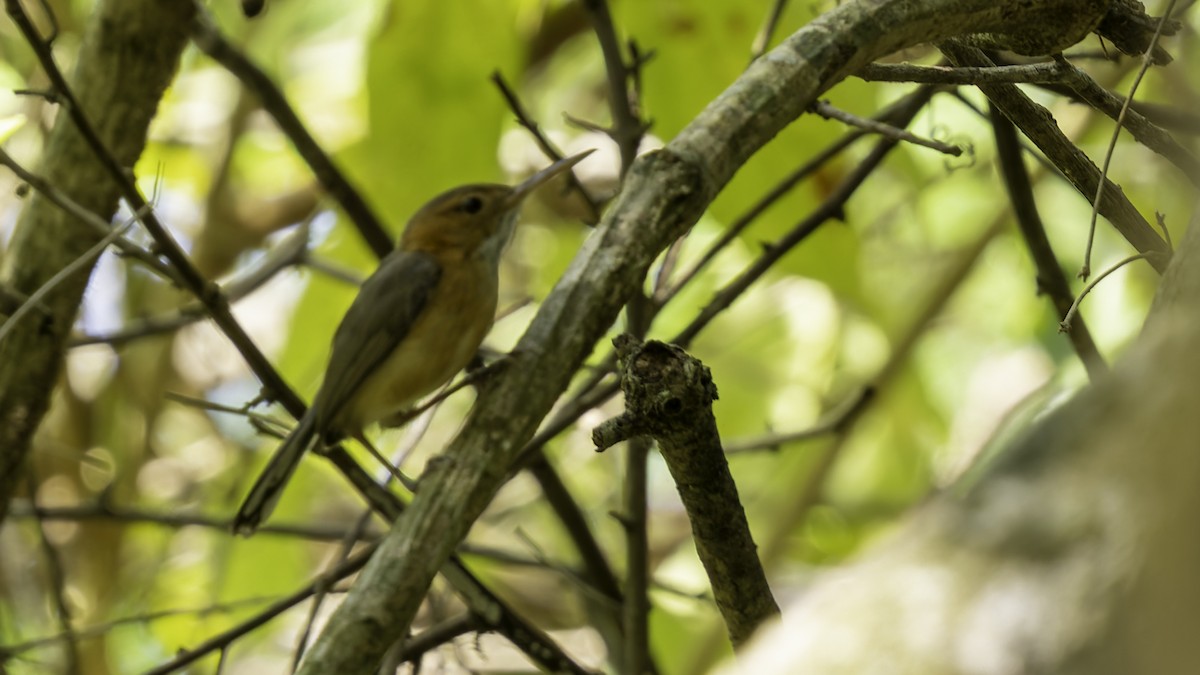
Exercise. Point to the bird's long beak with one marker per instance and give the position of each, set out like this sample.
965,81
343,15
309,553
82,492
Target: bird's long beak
523,190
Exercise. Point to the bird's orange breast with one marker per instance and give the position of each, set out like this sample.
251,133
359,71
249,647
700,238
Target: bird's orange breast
444,337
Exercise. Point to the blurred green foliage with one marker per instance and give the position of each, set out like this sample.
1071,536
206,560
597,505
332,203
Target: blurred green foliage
399,93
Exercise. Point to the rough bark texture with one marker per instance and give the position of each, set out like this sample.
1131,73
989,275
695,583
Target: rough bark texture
1075,553
664,194
128,57
669,396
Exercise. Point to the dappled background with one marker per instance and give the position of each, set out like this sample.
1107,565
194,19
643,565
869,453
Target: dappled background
921,291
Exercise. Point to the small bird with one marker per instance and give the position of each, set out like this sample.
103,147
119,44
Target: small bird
417,321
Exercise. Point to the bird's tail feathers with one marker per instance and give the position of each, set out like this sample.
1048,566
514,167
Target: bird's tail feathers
270,484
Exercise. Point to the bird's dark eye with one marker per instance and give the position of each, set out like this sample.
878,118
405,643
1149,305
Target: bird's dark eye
471,205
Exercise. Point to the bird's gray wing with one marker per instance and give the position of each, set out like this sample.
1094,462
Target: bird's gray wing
387,305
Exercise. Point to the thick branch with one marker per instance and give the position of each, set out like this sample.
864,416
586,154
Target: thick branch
665,193
669,396
128,57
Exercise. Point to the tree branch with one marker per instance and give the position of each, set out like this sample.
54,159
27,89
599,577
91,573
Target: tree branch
1051,280
664,194
669,395
1038,125
127,58
208,39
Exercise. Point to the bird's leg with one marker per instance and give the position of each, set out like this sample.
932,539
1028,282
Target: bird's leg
407,482
478,369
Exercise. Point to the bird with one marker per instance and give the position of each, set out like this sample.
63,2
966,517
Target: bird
416,321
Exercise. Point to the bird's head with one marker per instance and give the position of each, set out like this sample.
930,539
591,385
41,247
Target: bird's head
475,219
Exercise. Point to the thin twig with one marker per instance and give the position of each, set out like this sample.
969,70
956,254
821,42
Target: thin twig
1038,126
762,40
107,512
833,422
627,131
1121,109
1161,220
225,638
1147,59
548,148
634,519
208,39
99,225
1065,324
439,634
35,298
314,610
670,260
828,111
1051,72
1050,277
894,114
291,251
831,207
627,126
100,630
263,423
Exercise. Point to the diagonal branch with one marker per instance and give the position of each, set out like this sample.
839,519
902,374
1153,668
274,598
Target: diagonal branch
1051,280
664,194
210,41
1038,125
140,40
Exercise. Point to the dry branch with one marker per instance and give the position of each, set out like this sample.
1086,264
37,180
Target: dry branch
664,194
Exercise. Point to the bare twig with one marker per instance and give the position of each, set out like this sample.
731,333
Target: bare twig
832,207
1034,73
669,396
108,512
762,39
628,128
897,114
76,265
99,225
627,131
834,422
828,111
264,424
209,39
439,634
1050,278
548,148
1065,324
223,640
1147,59
1123,110
1038,125
291,251
58,589
100,630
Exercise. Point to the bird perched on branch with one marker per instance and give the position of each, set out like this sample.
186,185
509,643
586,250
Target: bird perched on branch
417,321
